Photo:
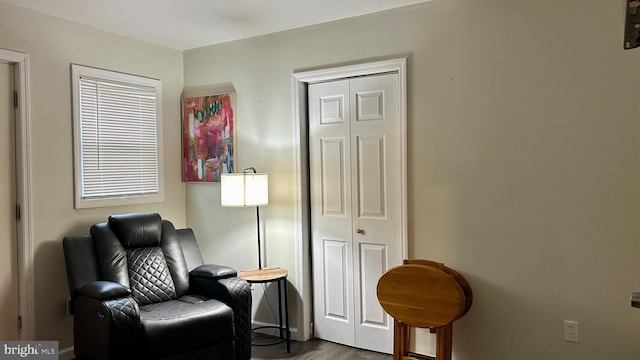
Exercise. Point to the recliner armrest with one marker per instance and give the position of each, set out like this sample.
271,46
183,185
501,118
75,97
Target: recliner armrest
221,283
106,322
233,291
213,272
104,290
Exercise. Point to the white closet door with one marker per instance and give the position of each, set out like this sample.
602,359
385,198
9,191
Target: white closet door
376,194
331,219
354,150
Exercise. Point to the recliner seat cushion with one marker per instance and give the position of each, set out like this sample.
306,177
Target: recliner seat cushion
175,326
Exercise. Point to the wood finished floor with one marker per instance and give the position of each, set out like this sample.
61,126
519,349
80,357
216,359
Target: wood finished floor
314,349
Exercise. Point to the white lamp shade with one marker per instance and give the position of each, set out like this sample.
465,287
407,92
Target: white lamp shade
244,189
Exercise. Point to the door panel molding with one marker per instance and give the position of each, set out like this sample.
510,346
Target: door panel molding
373,263
332,110
26,292
335,286
371,157
300,81
333,173
370,105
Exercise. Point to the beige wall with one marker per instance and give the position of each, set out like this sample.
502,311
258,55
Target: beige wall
52,44
524,166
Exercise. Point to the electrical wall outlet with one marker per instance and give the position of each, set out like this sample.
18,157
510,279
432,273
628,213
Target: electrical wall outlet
571,331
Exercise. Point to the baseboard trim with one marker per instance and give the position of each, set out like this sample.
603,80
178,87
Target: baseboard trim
272,331
66,354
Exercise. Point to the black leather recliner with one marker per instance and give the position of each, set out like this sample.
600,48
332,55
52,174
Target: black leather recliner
139,290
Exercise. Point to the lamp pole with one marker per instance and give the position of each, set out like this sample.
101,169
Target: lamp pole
258,222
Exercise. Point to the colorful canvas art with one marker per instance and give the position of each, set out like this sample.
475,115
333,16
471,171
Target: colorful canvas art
207,137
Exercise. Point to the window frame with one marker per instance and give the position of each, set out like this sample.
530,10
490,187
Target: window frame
79,71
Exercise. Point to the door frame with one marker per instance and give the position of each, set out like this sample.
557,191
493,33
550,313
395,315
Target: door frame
302,213
26,289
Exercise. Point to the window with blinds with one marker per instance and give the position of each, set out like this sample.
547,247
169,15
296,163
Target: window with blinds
118,143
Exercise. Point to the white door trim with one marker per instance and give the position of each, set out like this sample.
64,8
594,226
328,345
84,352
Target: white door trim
26,292
300,80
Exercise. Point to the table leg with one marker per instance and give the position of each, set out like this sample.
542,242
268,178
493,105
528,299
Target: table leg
280,327
286,315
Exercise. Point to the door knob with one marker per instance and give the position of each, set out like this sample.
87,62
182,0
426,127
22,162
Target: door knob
360,231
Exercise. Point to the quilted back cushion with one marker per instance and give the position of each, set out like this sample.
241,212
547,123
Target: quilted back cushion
149,275
142,252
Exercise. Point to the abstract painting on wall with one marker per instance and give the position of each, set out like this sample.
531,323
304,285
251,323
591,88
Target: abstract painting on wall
208,135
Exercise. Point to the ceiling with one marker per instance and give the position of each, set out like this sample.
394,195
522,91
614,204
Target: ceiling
187,24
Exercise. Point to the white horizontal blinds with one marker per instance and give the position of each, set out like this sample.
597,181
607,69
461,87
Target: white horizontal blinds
118,139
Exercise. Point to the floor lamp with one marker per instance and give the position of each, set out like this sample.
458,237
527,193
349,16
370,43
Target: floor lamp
248,188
